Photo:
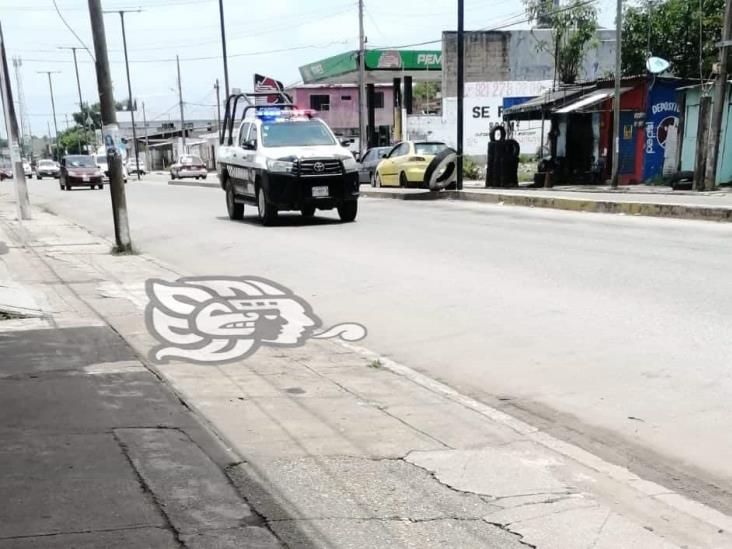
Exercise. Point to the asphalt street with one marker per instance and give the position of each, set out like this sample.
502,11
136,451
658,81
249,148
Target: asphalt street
612,332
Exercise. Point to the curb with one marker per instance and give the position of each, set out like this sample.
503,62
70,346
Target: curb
676,211
207,185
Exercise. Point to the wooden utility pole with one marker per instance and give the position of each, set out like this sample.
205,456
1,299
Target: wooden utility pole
616,99
702,132
218,108
53,109
223,47
180,101
78,88
460,89
362,138
11,123
720,99
148,167
110,129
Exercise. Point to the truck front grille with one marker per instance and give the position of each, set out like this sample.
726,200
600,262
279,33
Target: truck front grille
315,167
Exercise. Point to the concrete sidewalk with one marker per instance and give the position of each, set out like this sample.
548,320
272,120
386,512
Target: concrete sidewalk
95,451
630,200
339,447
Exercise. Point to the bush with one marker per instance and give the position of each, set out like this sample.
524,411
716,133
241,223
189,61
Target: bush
470,169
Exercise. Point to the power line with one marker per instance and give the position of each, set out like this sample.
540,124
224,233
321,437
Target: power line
58,11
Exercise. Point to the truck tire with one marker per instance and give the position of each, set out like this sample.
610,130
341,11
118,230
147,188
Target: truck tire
347,211
267,211
445,160
235,209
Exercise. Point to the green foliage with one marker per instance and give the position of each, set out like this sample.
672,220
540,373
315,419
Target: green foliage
573,28
426,96
94,114
470,169
673,29
73,140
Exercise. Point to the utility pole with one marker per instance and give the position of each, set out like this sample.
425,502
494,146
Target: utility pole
25,132
362,131
110,129
460,90
11,123
616,99
720,95
702,134
129,85
223,47
78,87
180,100
218,108
147,141
53,108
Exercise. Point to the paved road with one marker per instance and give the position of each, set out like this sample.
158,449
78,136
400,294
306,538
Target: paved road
613,332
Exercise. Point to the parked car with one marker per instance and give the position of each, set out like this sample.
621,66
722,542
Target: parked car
27,170
79,170
188,166
101,161
406,163
47,168
6,173
369,161
132,166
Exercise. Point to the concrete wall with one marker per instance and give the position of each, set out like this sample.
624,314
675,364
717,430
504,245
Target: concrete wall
495,56
343,113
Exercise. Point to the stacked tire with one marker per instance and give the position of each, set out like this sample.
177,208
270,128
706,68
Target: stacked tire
503,160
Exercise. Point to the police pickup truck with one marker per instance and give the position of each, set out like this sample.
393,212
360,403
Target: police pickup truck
284,158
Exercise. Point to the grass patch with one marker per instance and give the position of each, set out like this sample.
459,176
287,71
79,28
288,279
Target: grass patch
375,364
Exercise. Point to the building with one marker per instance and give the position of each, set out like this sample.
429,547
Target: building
503,68
689,103
580,122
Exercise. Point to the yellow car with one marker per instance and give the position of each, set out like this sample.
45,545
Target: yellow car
406,163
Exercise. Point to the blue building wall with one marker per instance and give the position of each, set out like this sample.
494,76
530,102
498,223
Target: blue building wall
662,111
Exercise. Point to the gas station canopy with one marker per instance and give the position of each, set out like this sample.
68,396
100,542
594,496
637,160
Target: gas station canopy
382,66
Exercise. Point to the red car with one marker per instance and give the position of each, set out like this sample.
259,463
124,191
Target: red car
80,171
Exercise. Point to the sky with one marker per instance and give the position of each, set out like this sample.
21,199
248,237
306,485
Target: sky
273,37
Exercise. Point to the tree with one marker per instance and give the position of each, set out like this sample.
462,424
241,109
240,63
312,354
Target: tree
73,140
94,114
670,29
426,96
573,28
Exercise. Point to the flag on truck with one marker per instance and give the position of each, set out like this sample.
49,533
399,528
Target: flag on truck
266,84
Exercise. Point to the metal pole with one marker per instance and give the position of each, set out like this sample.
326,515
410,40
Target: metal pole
53,107
147,141
78,88
460,90
362,139
180,100
11,123
720,94
218,108
110,129
616,100
129,93
223,47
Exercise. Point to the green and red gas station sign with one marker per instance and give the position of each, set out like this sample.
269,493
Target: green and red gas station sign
375,60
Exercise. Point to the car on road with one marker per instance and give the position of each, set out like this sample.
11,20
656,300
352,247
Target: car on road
132,166
101,161
406,163
369,161
27,169
188,166
6,173
79,170
286,158
47,168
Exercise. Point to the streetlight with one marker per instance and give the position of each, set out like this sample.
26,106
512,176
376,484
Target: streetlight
53,106
129,85
78,87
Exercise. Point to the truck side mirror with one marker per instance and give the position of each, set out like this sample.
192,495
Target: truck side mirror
251,144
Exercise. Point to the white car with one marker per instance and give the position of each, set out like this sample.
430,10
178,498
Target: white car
132,166
286,159
47,168
27,170
188,166
101,161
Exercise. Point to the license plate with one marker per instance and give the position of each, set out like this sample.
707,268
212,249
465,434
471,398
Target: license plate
86,178
320,191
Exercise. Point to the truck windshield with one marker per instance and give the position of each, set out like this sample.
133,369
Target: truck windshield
296,134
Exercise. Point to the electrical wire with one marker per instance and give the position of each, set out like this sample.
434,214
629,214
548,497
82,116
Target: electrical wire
58,11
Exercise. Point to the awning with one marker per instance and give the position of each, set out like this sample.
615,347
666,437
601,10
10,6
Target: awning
545,103
590,99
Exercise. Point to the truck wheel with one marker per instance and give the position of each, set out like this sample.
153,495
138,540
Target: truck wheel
236,210
267,211
348,210
308,211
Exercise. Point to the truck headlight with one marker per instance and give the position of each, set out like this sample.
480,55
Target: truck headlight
280,166
349,164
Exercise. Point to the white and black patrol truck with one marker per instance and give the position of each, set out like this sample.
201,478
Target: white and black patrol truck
284,158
